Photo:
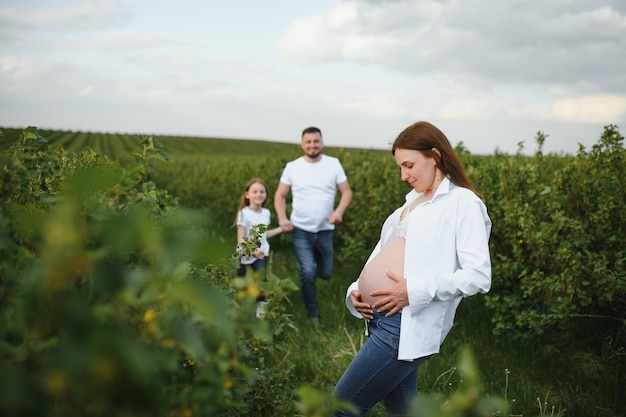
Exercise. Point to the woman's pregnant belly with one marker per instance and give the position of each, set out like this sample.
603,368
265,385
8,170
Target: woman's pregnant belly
374,275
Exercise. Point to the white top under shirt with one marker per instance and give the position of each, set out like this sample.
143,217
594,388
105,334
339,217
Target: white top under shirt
249,218
400,224
446,258
313,189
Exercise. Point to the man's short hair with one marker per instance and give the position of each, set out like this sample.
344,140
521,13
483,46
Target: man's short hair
311,129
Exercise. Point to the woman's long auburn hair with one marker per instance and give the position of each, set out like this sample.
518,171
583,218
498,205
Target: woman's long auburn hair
244,201
423,137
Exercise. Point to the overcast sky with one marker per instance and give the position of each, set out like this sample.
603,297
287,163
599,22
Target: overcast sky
489,73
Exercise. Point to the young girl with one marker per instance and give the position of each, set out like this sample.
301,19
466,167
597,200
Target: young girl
252,213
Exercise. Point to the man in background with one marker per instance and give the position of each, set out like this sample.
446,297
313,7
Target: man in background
313,180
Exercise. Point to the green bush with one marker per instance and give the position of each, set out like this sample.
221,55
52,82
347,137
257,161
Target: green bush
559,239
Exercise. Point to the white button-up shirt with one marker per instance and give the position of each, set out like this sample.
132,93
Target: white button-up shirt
446,258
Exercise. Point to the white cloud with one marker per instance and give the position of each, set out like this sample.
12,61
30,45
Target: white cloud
72,16
16,68
385,105
604,109
572,44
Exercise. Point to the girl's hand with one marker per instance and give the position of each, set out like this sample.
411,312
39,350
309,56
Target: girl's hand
335,218
259,254
363,308
286,225
395,298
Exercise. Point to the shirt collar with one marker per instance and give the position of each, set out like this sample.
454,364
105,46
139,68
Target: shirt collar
443,188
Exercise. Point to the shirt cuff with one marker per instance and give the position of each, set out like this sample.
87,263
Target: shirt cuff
421,292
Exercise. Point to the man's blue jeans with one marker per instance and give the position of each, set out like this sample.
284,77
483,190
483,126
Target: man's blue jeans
376,374
314,252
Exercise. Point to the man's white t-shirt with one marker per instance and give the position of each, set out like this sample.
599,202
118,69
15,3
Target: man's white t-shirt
313,188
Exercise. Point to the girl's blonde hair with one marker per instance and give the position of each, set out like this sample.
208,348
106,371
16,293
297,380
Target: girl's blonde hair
244,201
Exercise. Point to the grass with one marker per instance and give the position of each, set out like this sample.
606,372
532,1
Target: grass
538,376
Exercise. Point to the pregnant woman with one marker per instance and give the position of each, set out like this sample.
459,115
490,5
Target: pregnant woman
433,251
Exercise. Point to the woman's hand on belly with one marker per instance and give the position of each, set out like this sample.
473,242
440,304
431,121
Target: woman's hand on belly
363,308
395,298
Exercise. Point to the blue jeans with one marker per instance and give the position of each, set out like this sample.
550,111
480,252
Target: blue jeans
257,265
314,252
376,374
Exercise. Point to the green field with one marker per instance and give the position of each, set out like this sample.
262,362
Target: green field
120,146
544,339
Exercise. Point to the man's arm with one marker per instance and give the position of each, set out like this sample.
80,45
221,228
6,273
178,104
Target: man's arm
344,202
280,206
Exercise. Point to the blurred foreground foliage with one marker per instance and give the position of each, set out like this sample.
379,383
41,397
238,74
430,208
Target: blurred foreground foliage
110,302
